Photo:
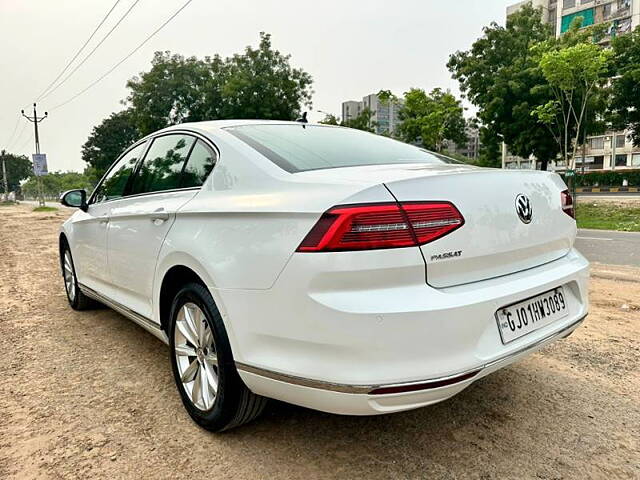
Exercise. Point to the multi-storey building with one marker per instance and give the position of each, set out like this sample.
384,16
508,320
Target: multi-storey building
613,149
351,110
385,116
471,148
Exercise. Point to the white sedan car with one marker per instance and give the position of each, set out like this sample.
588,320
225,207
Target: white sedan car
323,266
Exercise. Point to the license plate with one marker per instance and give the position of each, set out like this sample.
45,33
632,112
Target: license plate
519,319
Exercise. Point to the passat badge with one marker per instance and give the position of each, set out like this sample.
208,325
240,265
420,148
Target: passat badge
523,208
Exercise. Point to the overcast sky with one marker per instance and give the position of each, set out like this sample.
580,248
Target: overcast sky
351,48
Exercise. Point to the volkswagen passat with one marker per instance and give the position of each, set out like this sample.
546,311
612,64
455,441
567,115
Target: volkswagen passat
323,266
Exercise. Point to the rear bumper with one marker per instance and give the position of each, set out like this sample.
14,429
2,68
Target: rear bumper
327,340
362,399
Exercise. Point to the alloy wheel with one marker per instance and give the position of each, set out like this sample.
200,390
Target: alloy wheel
69,276
196,356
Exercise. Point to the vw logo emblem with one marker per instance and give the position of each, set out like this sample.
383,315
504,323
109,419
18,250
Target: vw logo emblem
523,208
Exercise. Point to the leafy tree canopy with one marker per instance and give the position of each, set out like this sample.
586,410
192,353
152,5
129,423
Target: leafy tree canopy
432,118
500,75
55,183
18,168
259,83
625,104
107,141
175,90
362,121
576,74
330,119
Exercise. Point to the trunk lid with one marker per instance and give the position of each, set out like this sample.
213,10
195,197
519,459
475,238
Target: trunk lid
493,241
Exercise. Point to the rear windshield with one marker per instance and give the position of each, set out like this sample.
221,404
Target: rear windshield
298,148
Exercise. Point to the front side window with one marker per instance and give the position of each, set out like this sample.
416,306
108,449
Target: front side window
114,184
199,166
298,148
162,166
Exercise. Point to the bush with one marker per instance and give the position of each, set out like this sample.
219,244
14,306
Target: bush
607,178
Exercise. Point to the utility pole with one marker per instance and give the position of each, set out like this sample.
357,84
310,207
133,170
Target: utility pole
35,120
4,176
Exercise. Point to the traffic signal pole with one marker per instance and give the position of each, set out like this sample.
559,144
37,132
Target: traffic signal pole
35,120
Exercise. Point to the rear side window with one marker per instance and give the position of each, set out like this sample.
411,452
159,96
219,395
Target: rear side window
199,166
298,148
115,182
162,166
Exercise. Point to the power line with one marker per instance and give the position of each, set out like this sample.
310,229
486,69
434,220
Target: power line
99,79
26,141
79,51
19,137
15,127
75,69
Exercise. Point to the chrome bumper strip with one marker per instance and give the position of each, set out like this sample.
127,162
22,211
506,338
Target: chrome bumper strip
367,389
144,322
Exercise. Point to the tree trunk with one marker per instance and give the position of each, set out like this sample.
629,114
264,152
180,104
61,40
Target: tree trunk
544,164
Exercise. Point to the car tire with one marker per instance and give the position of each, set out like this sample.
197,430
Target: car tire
77,299
203,367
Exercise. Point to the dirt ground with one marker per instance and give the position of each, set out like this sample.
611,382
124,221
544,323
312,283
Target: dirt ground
622,201
90,395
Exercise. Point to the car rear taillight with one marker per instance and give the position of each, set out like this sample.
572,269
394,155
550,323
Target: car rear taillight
567,203
381,225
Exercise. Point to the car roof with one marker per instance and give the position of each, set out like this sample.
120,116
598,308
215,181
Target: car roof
211,125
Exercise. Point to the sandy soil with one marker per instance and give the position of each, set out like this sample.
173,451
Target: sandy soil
621,201
90,395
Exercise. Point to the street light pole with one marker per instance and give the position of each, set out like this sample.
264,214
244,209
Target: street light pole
35,120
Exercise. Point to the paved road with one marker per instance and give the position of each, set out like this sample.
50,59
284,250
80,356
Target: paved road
605,246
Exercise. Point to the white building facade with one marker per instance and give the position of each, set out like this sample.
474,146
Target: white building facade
385,116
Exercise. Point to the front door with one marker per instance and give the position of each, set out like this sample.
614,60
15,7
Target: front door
90,228
89,249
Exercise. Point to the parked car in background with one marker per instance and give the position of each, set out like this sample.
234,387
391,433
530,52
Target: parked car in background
323,266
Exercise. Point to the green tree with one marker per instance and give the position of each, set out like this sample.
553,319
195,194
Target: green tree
330,119
259,83
362,121
500,75
55,183
18,168
625,103
107,141
175,90
432,118
574,73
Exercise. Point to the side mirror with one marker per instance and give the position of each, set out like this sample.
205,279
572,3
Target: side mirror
75,199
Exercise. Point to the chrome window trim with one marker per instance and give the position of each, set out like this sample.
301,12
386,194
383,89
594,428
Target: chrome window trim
149,140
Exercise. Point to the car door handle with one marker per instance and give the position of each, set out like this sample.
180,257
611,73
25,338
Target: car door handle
162,216
104,219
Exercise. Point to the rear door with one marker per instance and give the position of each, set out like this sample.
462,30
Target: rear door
163,183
